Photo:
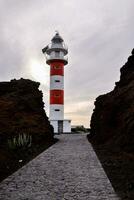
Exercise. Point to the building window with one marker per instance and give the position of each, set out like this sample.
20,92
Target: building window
57,95
57,53
57,81
57,109
57,67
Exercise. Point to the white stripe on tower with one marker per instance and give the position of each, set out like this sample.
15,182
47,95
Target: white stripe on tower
56,112
56,82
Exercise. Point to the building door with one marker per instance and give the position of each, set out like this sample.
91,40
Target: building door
60,126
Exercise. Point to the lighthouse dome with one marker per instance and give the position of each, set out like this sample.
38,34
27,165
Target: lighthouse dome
57,44
57,38
56,50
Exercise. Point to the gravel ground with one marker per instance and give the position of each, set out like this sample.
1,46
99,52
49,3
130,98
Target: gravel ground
68,170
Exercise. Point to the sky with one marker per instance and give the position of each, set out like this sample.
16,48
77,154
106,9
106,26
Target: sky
98,33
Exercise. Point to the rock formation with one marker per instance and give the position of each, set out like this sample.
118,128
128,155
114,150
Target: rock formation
112,120
21,111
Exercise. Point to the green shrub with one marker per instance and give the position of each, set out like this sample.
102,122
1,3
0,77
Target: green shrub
80,129
21,141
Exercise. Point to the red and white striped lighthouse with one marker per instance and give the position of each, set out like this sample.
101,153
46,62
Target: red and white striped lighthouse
56,56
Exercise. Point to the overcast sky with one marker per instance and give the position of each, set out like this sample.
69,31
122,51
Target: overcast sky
99,35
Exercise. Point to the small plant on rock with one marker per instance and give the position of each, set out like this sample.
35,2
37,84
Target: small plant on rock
21,141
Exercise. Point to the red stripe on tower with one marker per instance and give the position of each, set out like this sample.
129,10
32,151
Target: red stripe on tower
56,96
57,68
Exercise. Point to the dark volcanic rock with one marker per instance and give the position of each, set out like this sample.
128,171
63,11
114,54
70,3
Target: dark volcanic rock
113,117
21,111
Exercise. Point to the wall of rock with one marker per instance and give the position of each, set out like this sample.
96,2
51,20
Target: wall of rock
22,111
112,121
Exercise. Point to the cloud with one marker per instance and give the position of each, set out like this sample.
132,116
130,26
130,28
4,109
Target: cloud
99,35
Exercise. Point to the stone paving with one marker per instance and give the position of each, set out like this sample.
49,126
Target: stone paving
68,170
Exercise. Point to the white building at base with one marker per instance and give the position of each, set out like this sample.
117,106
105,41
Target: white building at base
61,126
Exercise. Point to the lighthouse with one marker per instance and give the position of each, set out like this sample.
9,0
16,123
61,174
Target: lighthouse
56,57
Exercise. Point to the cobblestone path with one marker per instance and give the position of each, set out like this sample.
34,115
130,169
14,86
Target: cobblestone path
68,170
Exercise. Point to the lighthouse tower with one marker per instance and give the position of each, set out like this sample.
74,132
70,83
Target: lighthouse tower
56,57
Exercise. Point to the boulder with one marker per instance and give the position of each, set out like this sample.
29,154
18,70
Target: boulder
22,111
112,121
